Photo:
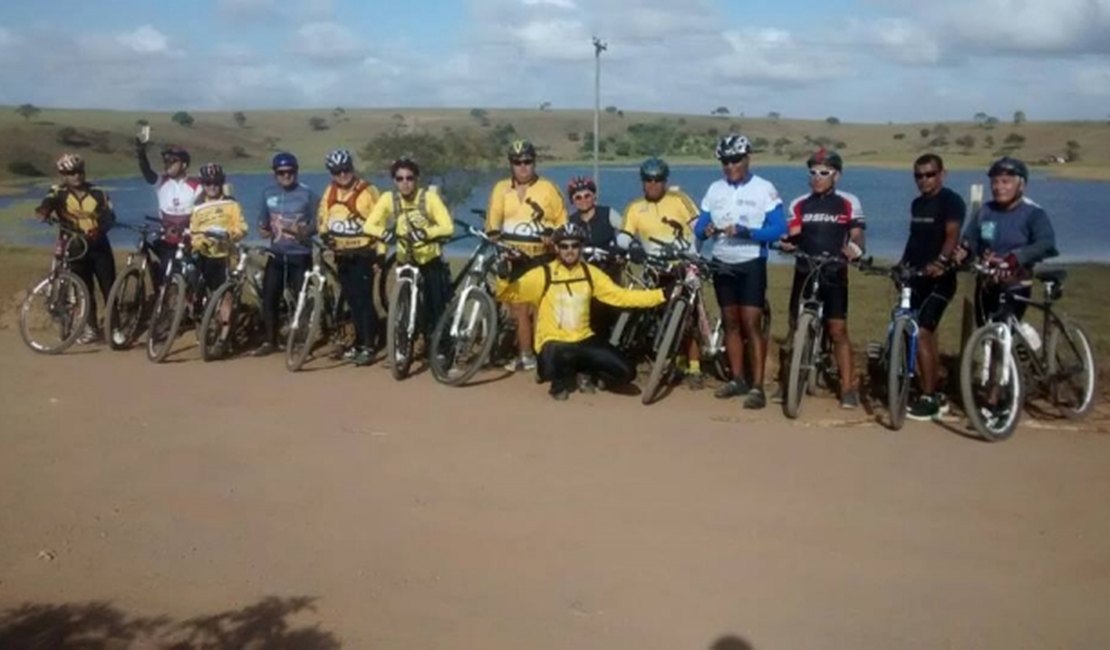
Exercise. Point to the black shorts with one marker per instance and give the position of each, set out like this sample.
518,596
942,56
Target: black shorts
834,293
213,270
743,285
525,263
930,298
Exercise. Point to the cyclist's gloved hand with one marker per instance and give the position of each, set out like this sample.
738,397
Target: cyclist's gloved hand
637,254
852,251
328,239
740,232
1008,266
501,268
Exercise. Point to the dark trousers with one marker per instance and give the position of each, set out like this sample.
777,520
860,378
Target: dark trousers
98,263
281,271
561,362
356,277
436,278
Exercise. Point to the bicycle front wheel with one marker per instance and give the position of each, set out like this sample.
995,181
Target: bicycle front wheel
990,384
898,372
1072,372
216,326
126,304
455,358
400,330
304,328
802,360
662,368
54,313
165,322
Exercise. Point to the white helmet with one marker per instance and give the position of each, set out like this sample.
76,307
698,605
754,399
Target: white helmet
338,159
70,163
733,144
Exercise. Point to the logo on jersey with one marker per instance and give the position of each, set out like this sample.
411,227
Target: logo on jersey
824,217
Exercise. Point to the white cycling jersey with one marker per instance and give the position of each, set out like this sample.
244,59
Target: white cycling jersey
745,204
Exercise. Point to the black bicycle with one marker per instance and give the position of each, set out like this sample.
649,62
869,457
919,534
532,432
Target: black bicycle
56,310
182,293
130,298
232,315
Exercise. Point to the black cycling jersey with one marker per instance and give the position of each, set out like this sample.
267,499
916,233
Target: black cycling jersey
825,221
929,216
600,231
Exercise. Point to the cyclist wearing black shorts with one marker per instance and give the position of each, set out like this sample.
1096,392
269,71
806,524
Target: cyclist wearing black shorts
828,221
936,216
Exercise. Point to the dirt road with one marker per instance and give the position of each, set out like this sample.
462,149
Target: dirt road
237,505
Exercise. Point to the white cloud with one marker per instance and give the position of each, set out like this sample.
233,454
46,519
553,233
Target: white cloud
1092,80
561,4
144,40
556,40
329,42
901,40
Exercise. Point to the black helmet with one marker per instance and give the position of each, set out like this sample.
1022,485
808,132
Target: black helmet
571,231
826,157
654,168
212,173
521,149
174,151
1008,166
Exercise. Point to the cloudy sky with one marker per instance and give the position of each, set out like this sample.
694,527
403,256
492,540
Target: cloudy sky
861,60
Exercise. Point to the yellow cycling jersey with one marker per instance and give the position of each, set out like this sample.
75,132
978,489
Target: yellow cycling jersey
216,214
425,211
521,220
87,208
562,296
343,213
647,221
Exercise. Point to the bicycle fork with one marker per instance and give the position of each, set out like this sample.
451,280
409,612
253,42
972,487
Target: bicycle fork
1007,340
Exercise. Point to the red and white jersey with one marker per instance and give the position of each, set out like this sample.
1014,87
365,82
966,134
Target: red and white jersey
176,199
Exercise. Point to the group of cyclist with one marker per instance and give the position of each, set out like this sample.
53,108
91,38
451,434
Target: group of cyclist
563,304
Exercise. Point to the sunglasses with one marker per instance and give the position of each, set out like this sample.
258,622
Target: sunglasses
404,179
285,172
821,173
212,184
169,160
569,246
733,160
920,175
522,162
653,179
583,196
343,170
73,173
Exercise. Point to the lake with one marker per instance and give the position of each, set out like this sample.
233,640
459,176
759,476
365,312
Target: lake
1075,207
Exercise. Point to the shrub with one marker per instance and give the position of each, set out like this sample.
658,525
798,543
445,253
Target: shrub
183,118
240,118
899,136
71,137
239,152
24,168
318,123
832,121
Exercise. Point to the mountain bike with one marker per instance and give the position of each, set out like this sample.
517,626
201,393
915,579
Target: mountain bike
1004,364
405,317
320,312
899,354
232,314
56,309
182,294
130,298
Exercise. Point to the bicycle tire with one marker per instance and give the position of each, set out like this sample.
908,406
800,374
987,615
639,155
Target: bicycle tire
304,331
897,373
984,424
124,309
398,343
166,319
207,339
69,330
663,364
1080,343
485,319
802,364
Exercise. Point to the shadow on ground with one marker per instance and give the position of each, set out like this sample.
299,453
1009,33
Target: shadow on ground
265,625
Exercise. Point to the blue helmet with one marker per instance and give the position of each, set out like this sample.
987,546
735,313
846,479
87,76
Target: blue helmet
285,159
654,168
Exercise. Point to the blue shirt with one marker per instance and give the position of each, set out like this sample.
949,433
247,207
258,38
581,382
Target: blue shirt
281,210
1023,230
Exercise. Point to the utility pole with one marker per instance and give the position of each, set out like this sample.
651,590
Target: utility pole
599,47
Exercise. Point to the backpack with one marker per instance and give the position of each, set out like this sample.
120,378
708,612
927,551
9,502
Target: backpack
421,204
547,281
352,198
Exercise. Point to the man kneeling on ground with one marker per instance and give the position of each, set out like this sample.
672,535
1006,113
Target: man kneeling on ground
561,291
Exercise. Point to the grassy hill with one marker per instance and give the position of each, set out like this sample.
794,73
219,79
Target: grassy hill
104,137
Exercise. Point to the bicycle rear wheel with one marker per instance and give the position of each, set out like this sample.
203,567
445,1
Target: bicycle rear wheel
802,359
663,366
54,313
398,338
455,359
124,309
304,328
216,330
990,384
897,372
165,322
1072,372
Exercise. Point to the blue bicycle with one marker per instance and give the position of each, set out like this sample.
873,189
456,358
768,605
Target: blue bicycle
899,354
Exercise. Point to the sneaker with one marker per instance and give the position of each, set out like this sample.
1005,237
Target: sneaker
89,335
513,365
363,357
779,396
350,353
849,400
732,388
264,350
756,399
217,350
560,396
528,362
695,381
586,385
926,408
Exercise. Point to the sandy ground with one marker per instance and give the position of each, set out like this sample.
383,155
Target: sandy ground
235,505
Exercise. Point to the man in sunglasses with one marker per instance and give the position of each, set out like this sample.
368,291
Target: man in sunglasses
657,223
523,211
827,221
177,194
287,217
340,218
561,291
936,216
741,213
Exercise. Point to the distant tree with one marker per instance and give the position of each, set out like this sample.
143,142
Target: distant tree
240,118
338,111
27,111
941,129
620,114
610,109
183,118
1019,117
682,121
832,120
239,152
546,106
397,117
24,168
980,118
318,123
774,115
966,141
760,143
938,142
990,122
720,110
1071,153
142,122
71,137
988,141
623,149
479,113
1015,140
925,132
712,131
899,136
574,136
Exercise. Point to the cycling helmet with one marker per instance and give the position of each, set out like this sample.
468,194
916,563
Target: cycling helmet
521,149
579,183
404,162
826,157
177,152
1008,166
654,168
211,173
339,160
70,163
571,231
284,159
731,145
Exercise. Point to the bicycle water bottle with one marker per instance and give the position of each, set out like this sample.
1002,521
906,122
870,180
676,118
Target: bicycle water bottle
1031,335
